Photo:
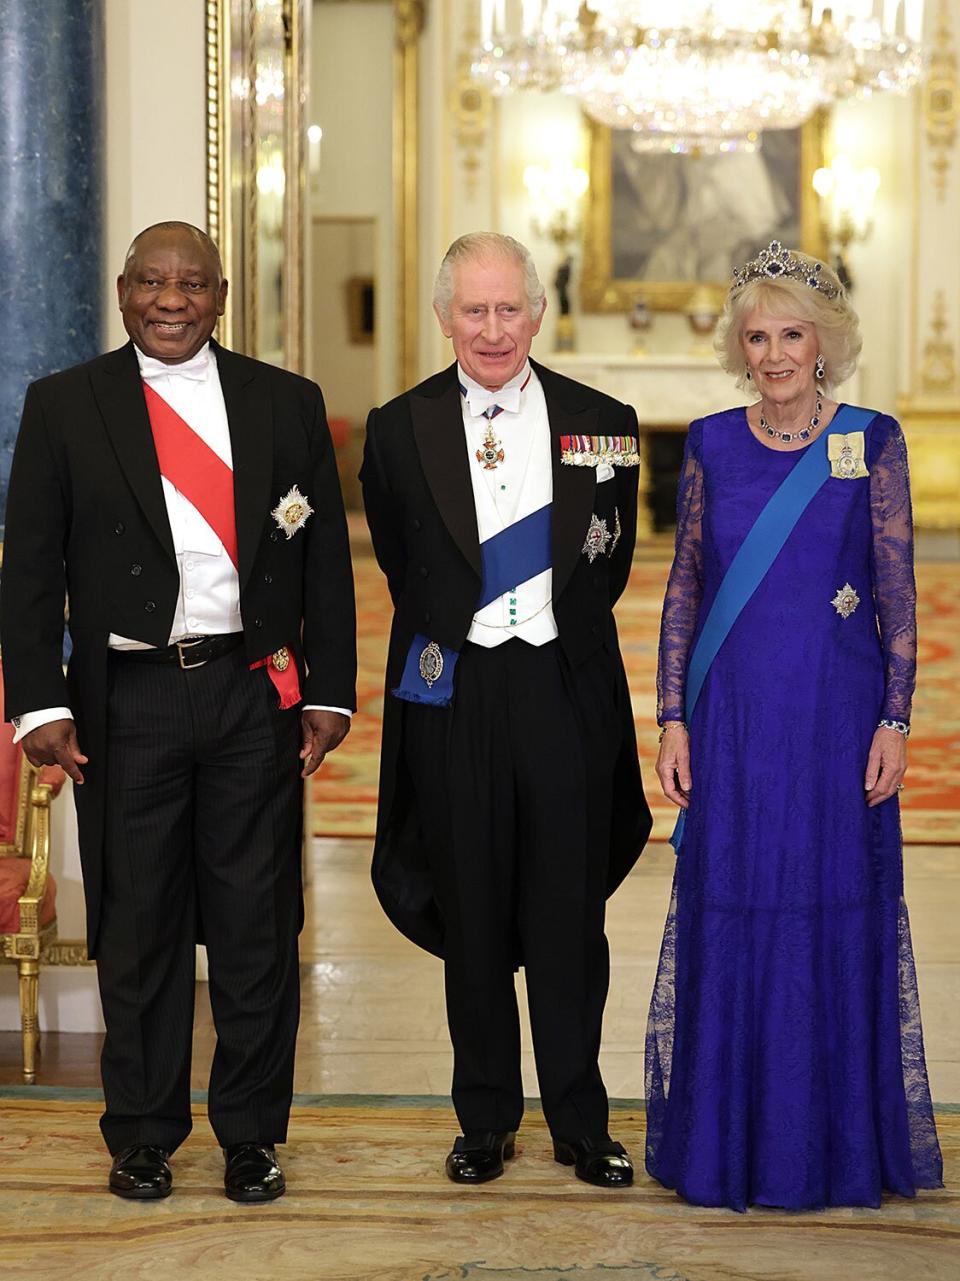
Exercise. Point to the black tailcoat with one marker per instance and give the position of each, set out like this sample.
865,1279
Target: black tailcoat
420,508
86,518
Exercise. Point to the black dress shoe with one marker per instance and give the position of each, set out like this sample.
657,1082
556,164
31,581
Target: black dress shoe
142,1173
252,1173
479,1157
599,1161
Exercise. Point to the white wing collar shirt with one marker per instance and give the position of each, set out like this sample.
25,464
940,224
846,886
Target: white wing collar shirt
209,599
522,483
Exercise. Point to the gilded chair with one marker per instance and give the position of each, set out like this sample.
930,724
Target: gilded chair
28,920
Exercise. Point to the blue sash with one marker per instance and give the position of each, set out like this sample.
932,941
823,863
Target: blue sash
757,553
515,555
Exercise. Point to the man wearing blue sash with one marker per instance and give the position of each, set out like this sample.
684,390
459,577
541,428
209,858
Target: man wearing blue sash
502,502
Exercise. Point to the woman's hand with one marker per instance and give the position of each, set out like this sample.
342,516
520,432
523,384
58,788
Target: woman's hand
673,764
886,765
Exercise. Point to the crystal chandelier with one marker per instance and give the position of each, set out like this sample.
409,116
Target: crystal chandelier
696,76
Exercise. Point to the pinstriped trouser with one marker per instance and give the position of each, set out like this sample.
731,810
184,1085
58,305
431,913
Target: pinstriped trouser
203,833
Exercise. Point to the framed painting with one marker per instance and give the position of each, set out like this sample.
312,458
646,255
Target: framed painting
660,227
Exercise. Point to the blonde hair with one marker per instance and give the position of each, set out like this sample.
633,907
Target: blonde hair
835,321
487,244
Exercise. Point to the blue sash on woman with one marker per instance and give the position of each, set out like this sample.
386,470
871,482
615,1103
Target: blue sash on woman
757,553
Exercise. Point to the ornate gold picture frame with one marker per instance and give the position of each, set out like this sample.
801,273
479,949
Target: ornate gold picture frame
677,231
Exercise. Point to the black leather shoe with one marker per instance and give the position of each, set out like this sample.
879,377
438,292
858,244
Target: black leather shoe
252,1173
599,1161
142,1173
479,1157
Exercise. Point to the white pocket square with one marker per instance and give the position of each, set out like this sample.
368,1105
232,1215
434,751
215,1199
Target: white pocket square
605,472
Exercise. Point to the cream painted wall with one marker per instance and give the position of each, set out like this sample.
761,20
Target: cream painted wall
156,126
341,248
879,132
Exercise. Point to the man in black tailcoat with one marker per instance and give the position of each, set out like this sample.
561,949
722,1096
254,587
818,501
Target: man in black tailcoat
502,501
185,499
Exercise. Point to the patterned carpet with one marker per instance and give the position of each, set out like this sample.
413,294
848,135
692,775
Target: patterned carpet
345,794
368,1202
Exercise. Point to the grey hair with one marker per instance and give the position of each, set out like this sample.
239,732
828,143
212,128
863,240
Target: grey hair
834,319
208,243
487,244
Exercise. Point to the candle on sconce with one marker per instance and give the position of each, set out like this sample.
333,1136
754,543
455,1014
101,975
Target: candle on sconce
486,20
531,17
314,138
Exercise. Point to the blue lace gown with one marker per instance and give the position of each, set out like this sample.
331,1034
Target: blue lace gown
784,1061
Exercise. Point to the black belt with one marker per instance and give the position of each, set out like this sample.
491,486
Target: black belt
194,651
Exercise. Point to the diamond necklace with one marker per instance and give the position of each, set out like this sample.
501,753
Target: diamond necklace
803,434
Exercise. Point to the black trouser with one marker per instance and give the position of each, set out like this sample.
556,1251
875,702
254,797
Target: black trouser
513,790
204,820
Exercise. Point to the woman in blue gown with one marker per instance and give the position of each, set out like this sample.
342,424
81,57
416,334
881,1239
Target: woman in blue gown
785,1061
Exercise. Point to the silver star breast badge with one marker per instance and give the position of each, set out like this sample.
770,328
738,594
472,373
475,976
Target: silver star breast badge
292,512
598,537
845,601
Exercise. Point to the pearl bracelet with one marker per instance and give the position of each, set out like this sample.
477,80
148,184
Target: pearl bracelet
900,726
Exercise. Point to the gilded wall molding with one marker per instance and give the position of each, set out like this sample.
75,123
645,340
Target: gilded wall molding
294,139
470,107
216,34
941,101
938,366
408,24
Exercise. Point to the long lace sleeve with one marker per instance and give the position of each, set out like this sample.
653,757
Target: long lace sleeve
684,587
894,589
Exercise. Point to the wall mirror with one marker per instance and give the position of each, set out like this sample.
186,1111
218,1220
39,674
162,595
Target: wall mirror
312,143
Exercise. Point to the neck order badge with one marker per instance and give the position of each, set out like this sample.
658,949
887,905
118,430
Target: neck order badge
491,453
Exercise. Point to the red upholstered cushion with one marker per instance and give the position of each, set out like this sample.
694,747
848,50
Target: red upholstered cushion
14,874
54,776
339,431
10,758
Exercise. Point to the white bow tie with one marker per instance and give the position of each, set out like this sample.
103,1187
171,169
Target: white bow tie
195,368
480,399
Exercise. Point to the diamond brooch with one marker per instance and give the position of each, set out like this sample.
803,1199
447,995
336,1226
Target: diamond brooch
845,601
292,512
598,536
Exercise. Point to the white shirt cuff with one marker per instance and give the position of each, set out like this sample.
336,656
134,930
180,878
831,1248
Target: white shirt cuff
30,721
319,707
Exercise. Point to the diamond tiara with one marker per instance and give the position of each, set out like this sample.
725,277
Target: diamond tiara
778,263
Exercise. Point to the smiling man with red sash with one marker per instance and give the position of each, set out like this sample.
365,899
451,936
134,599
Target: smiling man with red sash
186,499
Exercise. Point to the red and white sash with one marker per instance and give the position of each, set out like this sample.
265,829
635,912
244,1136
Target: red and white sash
206,482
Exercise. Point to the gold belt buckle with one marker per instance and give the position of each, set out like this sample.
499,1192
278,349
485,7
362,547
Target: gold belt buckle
181,646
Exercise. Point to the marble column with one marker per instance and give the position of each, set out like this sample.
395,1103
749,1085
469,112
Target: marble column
52,213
